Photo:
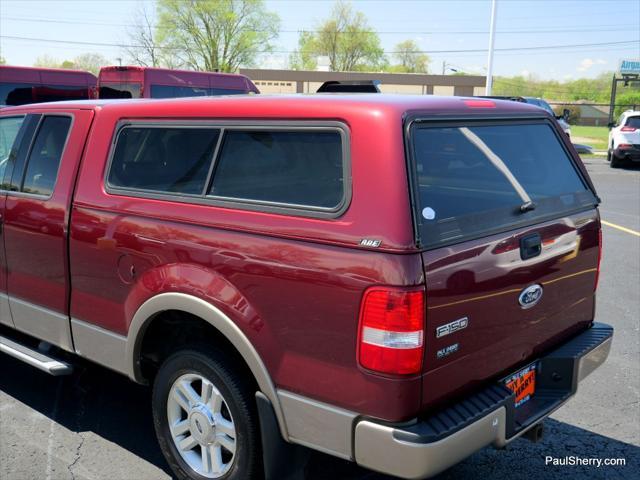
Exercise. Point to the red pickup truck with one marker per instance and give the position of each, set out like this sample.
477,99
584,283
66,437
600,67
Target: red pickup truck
394,280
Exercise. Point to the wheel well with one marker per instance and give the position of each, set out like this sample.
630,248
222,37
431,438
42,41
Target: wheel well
170,330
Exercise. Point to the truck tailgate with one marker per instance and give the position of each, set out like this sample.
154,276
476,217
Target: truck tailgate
481,281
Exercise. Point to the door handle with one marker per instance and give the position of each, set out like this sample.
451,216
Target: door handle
530,246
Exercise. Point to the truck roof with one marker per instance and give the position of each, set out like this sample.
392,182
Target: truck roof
173,71
12,73
300,105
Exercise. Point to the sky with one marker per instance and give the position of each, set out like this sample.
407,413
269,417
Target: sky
562,39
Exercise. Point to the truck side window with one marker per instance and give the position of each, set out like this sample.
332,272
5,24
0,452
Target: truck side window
163,159
9,128
295,168
44,159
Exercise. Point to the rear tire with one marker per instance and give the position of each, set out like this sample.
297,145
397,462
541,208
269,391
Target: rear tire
616,162
205,417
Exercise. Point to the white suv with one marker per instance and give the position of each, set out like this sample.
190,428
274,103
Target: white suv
624,139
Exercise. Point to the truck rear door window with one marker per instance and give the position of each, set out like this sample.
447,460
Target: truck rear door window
163,159
46,152
477,179
300,168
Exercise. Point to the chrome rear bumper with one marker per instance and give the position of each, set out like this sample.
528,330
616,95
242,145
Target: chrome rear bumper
433,444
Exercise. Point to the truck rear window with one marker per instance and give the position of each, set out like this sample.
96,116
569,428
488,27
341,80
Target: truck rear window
301,168
477,179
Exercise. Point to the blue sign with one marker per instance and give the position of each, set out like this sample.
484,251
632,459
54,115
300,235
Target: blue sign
630,67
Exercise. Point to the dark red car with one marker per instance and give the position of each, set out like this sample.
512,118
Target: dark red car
394,280
23,85
148,82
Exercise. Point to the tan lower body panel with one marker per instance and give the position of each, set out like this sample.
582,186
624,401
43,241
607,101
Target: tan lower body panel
377,448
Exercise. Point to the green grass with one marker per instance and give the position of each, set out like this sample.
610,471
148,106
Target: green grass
597,137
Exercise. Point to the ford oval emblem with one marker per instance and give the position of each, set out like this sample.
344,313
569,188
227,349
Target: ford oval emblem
530,296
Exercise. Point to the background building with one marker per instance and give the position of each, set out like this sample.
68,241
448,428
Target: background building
302,81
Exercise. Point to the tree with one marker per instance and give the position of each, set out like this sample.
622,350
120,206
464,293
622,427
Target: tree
145,49
47,61
596,90
216,35
626,100
2,60
574,112
305,58
90,62
410,58
345,37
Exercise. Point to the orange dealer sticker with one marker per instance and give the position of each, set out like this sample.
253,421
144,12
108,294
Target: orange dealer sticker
522,383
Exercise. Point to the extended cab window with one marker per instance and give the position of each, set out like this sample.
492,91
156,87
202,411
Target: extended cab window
46,152
9,128
475,179
163,159
301,168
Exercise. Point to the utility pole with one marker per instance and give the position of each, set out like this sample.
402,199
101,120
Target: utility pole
492,41
447,66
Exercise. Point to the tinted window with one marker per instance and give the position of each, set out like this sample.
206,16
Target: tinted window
299,168
226,91
540,103
473,180
9,128
633,122
58,93
15,93
24,93
173,91
169,91
119,90
162,159
44,158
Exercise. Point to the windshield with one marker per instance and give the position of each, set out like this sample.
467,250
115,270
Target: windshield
474,179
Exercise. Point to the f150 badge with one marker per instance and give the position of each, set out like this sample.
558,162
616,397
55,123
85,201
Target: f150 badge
452,327
530,296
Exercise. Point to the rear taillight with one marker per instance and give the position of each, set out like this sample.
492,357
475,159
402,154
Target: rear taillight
595,286
624,146
391,332
627,129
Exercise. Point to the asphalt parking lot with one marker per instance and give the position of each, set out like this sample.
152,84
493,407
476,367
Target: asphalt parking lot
97,425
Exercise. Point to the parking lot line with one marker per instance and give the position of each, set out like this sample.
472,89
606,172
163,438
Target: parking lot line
620,227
